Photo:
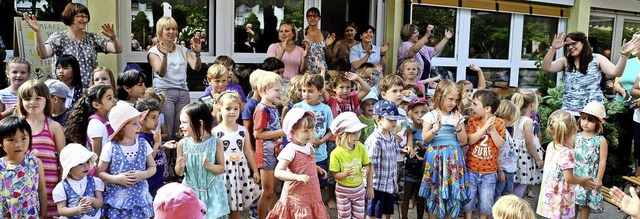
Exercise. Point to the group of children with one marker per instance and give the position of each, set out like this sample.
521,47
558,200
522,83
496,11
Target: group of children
370,142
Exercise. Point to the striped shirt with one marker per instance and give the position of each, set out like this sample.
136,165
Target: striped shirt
383,154
7,98
45,147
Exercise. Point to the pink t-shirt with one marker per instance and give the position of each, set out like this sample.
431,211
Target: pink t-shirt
350,104
291,60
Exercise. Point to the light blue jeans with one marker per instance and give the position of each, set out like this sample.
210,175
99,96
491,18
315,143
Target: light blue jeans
481,192
505,187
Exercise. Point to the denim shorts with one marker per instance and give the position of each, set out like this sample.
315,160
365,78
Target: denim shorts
481,187
505,187
324,164
382,203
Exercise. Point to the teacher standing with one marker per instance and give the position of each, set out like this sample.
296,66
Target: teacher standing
413,46
75,41
169,61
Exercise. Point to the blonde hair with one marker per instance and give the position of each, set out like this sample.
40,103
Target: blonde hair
33,86
254,77
561,125
217,71
19,60
227,61
507,111
400,69
267,79
342,139
150,93
512,207
226,97
307,122
162,23
294,85
108,71
523,99
444,88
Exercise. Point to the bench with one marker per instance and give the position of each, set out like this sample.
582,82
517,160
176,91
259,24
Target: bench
606,195
633,179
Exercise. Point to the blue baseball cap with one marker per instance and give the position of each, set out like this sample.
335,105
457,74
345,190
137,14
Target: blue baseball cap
387,109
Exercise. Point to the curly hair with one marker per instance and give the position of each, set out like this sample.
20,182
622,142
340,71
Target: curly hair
76,127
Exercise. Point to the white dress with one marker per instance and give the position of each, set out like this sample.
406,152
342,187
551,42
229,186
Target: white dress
241,189
527,172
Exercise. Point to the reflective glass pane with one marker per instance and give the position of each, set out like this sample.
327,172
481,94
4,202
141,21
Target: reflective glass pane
192,18
537,36
527,78
494,77
257,21
441,19
490,34
600,34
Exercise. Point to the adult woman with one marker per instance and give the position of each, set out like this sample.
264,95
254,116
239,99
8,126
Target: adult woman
626,87
318,41
366,51
414,47
293,57
75,40
342,47
583,69
169,62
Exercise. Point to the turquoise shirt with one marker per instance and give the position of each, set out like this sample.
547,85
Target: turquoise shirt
629,76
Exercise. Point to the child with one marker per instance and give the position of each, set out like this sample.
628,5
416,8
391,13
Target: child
408,70
530,161
444,185
150,132
366,115
486,135
34,105
266,129
21,172
102,75
415,159
125,162
241,184
78,194
252,102
382,148
512,207
466,90
176,200
346,100
218,78
591,151
59,92
557,195
68,71
131,86
88,122
508,159
347,163
371,72
293,94
232,80
18,71
160,97
300,196
201,159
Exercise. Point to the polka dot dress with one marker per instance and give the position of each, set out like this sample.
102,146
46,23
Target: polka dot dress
241,189
527,172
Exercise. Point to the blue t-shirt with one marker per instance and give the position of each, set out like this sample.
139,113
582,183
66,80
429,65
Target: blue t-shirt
629,76
249,109
324,117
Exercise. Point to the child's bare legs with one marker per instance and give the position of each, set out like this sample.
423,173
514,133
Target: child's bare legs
585,211
530,191
234,215
332,196
268,197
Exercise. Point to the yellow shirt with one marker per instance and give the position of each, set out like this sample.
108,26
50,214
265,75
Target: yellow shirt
342,159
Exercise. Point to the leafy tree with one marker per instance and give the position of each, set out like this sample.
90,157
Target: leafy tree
294,14
441,19
140,26
253,20
602,39
490,34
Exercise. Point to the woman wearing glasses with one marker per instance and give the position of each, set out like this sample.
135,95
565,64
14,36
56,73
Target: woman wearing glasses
293,56
413,46
583,69
317,41
76,41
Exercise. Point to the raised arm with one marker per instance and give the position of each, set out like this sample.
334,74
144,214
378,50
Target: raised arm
447,35
44,50
195,62
607,66
114,45
548,64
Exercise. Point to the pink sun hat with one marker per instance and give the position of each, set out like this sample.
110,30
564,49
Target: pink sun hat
176,200
121,114
293,116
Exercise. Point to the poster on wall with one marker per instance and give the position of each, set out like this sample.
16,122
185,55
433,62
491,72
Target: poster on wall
25,45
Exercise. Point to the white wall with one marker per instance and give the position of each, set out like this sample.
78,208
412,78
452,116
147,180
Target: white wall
622,5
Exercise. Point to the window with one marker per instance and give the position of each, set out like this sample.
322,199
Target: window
489,35
601,34
498,77
191,16
256,22
527,78
629,28
537,35
442,19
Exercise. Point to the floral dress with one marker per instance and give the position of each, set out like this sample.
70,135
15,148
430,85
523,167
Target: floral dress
587,152
445,175
241,189
557,197
316,52
580,88
19,192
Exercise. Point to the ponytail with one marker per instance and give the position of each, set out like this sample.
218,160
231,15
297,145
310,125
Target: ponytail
561,126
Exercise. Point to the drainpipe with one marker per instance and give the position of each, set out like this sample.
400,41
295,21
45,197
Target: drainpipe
407,12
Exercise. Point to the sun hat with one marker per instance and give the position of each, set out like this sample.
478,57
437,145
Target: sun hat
595,109
387,109
370,95
121,114
347,122
408,95
293,116
57,88
175,200
73,155
416,102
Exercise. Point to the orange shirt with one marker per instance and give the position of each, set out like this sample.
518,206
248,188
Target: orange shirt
482,156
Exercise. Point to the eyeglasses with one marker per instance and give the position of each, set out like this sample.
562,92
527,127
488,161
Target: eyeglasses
416,32
313,16
574,43
83,16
